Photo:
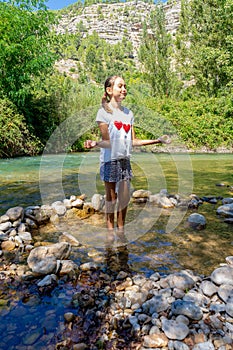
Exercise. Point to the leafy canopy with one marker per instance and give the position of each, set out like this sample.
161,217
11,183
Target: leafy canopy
25,41
205,44
155,54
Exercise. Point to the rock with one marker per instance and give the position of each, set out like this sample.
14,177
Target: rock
180,280
204,346
97,201
5,226
225,210
208,288
197,221
22,227
8,245
42,215
67,237
223,275
228,200
178,345
26,237
88,266
229,260
68,267
15,213
83,299
174,330
155,341
43,259
139,280
67,203
122,275
225,292
156,304
186,308
136,297
47,280
229,308
43,266
59,208
196,297
80,346
3,236
32,337
182,319
88,208
215,322
18,241
77,203
141,194
161,201
31,223
4,218
69,316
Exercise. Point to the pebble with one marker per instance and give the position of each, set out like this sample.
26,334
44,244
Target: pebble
186,308
179,311
174,329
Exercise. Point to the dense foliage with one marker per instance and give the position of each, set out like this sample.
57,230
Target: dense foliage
25,48
95,58
156,54
205,44
15,139
43,109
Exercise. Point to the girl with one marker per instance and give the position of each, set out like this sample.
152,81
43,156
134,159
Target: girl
116,127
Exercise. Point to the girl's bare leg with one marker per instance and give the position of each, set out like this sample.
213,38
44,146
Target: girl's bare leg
123,201
111,197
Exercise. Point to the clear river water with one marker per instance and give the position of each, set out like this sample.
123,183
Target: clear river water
160,242
159,239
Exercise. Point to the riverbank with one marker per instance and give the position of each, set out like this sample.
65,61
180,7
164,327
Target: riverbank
106,305
112,309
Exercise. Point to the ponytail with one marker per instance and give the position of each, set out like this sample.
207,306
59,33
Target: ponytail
106,99
105,105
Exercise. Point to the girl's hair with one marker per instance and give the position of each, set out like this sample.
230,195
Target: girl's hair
109,82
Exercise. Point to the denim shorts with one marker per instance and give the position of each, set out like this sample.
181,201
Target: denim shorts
116,170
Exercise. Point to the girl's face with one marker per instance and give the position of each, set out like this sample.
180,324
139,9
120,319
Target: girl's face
118,91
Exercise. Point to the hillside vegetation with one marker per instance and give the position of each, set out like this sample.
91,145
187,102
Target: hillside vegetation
176,58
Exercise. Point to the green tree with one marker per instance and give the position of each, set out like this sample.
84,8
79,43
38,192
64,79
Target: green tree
25,47
15,138
155,53
205,44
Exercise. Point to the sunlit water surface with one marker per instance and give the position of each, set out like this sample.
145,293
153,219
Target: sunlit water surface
159,240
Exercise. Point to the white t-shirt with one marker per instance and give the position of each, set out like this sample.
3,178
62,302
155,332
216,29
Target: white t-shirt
119,127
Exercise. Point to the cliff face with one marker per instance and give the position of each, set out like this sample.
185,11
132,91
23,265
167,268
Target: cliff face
114,21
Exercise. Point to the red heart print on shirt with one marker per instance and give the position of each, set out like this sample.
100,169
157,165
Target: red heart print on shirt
126,127
118,125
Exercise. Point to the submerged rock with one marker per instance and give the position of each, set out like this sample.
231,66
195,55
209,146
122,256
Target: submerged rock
197,221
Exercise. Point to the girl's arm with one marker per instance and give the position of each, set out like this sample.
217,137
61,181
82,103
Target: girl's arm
105,142
137,142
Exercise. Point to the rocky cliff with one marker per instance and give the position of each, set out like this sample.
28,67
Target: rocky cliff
114,21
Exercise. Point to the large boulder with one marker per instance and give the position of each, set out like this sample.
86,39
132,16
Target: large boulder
45,259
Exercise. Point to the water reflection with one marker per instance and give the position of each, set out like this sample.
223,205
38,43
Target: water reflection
116,251
116,258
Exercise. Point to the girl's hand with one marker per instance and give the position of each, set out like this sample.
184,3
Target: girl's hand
90,144
165,139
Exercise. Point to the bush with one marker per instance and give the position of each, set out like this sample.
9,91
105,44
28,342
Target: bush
203,122
15,139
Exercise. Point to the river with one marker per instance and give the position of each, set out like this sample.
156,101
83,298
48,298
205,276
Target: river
160,243
159,240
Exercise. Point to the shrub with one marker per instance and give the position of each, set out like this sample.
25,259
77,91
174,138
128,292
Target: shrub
15,139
